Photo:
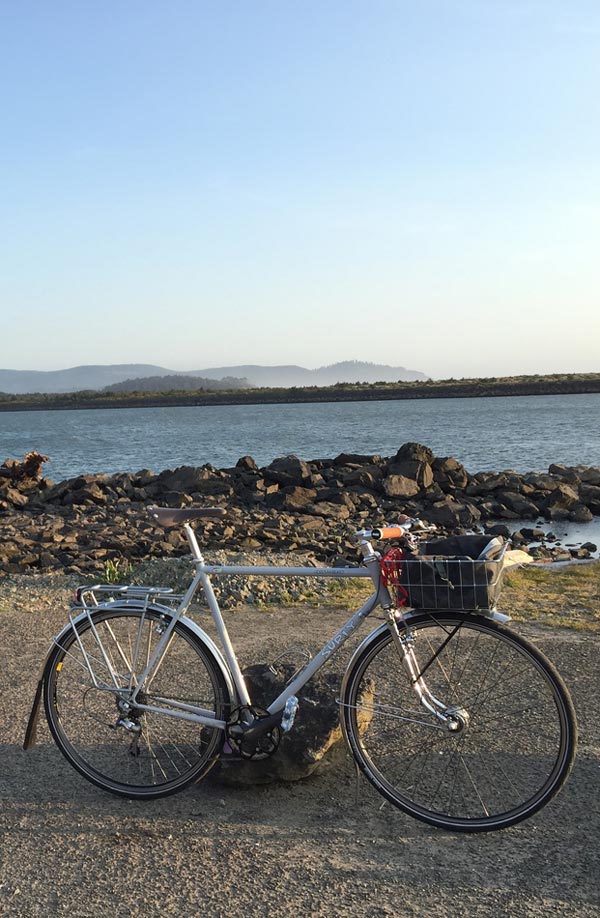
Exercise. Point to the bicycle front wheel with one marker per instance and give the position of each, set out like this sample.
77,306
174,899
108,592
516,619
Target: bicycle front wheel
124,750
512,739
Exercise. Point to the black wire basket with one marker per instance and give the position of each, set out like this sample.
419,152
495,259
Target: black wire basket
440,578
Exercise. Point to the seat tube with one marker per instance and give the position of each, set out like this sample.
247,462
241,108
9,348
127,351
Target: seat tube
217,617
230,656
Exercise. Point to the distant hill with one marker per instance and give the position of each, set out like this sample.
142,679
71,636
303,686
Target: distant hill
347,371
77,379
178,384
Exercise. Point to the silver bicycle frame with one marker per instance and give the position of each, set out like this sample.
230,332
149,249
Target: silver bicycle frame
228,659
202,579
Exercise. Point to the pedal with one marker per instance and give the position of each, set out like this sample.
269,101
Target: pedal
289,714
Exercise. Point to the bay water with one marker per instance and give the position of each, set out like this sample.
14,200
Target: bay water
525,433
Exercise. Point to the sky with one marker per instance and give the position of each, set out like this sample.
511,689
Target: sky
196,184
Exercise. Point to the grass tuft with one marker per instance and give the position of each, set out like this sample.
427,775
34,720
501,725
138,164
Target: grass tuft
553,595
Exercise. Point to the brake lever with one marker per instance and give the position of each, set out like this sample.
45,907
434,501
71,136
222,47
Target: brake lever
409,541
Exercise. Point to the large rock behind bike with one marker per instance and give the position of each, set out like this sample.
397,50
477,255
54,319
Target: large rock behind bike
313,738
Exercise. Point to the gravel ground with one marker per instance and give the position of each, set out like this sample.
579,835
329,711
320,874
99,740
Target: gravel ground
313,848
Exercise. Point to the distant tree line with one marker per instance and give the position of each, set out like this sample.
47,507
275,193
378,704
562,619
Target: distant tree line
116,397
177,383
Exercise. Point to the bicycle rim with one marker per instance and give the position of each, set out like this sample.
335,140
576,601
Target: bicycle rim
516,739
161,754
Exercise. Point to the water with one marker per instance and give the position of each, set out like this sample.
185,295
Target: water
522,433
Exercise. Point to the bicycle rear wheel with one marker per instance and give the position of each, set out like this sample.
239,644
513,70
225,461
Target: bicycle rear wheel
154,754
516,737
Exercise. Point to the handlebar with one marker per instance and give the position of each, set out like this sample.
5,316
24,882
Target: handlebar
388,532
408,527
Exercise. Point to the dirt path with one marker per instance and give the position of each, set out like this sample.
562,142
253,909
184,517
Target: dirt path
68,849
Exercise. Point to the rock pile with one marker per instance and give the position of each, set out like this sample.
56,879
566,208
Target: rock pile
290,505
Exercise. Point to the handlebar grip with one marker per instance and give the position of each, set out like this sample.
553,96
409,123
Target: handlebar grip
388,532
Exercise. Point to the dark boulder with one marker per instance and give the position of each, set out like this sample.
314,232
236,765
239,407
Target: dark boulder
292,497
565,473
498,529
315,732
288,470
416,452
451,513
517,503
186,478
533,535
591,475
247,463
449,474
15,497
90,493
400,486
413,463
540,481
579,513
356,460
329,510
590,496
486,483
559,502
369,476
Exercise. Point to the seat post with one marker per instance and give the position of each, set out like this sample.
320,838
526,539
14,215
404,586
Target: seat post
193,543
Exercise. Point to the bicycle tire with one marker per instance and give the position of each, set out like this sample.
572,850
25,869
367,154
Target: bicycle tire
168,753
517,743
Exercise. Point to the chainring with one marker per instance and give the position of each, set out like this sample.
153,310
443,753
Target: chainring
260,748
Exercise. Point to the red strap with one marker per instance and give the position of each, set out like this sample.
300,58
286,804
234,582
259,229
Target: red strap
391,571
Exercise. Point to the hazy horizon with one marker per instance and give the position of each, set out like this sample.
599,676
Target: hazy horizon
192,370
196,185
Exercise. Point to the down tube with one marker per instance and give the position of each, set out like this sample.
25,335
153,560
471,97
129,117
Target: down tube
329,650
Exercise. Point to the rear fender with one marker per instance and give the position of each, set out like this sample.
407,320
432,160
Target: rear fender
202,636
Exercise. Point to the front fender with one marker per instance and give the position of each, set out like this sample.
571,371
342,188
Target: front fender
202,636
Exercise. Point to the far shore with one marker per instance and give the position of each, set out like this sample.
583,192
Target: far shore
563,384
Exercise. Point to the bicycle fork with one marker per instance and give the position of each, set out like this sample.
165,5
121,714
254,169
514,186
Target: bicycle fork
455,718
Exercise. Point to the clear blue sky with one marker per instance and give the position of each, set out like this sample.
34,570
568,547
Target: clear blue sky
199,184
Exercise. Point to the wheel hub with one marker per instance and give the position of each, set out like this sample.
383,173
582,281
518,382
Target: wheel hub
130,714
458,720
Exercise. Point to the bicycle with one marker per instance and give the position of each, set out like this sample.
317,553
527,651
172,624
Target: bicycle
453,718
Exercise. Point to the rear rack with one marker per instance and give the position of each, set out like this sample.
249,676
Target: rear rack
87,596
103,595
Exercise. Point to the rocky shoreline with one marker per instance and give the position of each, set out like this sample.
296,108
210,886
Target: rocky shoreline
312,508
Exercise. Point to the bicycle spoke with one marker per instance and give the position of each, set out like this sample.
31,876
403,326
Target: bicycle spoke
115,744
495,760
